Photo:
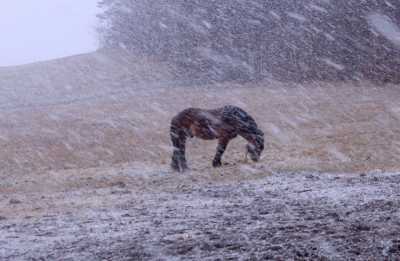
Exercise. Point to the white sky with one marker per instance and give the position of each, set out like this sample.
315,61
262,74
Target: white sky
37,30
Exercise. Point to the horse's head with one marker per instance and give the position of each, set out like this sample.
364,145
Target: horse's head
256,144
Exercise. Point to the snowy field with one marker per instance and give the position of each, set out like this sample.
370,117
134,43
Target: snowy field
164,216
85,172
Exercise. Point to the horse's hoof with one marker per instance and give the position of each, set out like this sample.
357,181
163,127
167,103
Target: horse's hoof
217,164
181,170
179,166
178,169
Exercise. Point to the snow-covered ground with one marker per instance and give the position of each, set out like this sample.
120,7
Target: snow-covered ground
85,151
158,215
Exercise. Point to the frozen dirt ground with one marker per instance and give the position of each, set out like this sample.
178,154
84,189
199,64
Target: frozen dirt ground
279,216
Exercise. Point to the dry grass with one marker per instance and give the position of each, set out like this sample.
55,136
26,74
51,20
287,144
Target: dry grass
323,127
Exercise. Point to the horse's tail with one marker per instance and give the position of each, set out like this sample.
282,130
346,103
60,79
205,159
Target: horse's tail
178,138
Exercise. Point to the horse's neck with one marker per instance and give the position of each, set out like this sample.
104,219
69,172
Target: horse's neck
246,135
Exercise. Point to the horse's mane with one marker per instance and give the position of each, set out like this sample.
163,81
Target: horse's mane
238,117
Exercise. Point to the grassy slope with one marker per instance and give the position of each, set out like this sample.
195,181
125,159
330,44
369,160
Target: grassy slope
106,108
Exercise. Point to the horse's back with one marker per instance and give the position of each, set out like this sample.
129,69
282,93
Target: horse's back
210,124
237,116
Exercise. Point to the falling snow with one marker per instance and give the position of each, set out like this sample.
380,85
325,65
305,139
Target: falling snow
86,144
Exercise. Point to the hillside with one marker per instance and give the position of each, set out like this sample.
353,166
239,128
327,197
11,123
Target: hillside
84,149
107,107
77,78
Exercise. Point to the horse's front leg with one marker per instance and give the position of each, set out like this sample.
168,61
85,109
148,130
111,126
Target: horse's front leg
222,144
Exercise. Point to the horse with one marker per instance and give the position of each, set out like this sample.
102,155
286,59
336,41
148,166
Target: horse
224,124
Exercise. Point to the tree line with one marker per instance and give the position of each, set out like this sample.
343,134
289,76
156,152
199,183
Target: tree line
296,40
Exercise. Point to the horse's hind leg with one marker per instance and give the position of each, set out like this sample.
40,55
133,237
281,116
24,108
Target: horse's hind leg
178,157
178,161
222,144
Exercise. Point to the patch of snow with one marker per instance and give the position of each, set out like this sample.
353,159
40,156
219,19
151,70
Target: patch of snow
337,154
162,25
329,37
297,16
332,63
385,26
207,24
318,8
390,4
275,15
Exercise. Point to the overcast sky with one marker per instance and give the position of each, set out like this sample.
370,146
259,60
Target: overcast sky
45,29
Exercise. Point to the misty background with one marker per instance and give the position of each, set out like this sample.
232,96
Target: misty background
41,30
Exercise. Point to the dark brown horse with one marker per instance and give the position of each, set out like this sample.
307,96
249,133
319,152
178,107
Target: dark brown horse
223,124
